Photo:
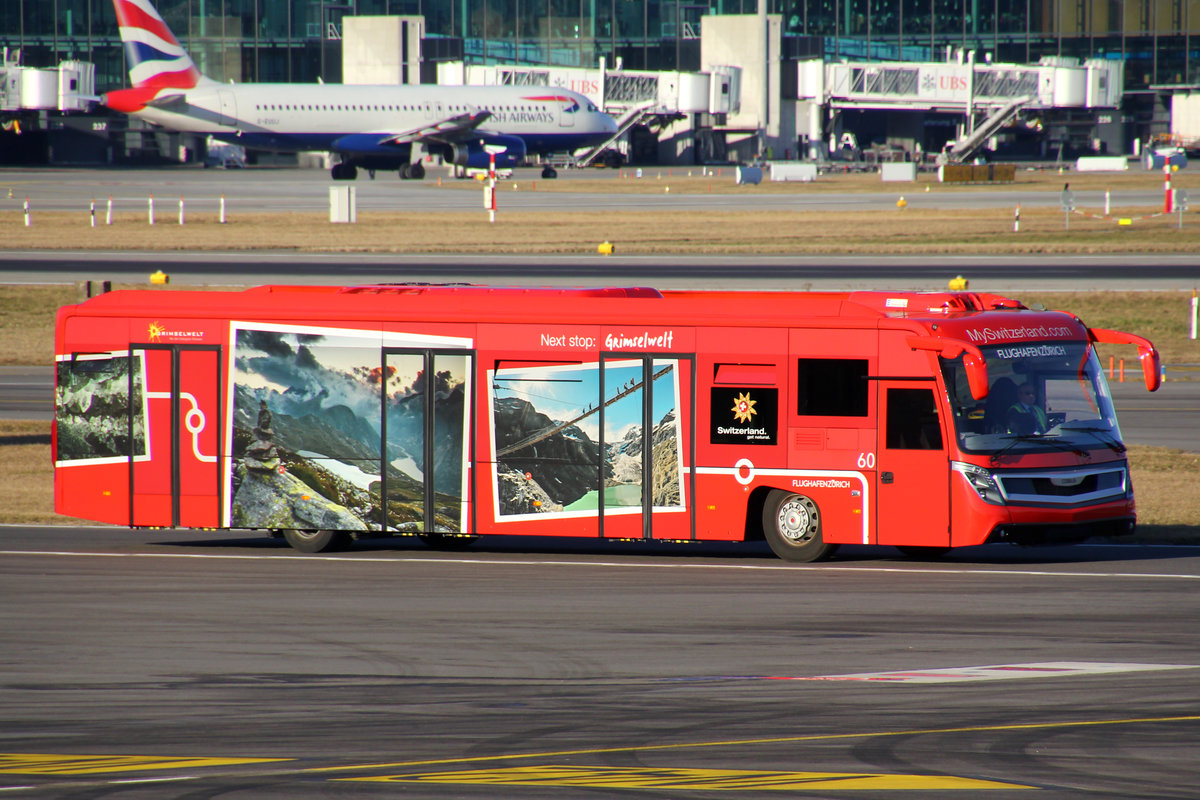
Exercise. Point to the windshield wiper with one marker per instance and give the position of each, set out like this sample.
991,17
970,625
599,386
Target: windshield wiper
1111,442
1039,438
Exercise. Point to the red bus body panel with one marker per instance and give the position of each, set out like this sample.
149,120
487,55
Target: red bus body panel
622,413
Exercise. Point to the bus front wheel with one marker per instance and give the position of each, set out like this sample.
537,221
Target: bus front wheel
792,526
316,541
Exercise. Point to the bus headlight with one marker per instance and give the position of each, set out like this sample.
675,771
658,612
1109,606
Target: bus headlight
981,480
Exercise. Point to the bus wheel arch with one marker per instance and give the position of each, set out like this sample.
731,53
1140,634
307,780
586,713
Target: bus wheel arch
317,541
791,524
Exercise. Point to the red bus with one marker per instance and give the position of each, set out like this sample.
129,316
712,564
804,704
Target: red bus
325,414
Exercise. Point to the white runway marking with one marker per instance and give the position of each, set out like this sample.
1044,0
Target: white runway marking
999,672
664,563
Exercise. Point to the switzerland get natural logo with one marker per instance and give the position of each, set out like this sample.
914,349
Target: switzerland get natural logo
743,407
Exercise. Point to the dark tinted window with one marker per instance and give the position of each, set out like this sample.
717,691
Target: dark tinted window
912,421
831,387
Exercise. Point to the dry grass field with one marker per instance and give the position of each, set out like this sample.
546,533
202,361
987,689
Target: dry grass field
911,231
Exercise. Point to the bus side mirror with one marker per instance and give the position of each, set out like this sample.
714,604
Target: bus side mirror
1147,353
977,377
973,360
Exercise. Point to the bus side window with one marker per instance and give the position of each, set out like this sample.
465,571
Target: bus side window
831,387
912,420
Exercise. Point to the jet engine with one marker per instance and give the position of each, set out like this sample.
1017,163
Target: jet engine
472,153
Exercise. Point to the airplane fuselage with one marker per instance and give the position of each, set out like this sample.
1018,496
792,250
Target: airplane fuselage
298,117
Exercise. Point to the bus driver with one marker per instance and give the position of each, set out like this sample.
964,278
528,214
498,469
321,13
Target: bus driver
1025,416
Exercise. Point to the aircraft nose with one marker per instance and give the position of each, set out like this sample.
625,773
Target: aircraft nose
609,124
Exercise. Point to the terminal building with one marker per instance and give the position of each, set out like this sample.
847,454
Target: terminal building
731,80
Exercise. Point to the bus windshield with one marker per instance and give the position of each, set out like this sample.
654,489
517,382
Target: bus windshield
1042,396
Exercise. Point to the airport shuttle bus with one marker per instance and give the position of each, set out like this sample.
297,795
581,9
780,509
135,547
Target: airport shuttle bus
923,421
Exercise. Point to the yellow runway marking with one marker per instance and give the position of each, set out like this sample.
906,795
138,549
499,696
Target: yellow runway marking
743,742
694,779
48,764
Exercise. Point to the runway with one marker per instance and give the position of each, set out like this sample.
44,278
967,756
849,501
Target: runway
163,665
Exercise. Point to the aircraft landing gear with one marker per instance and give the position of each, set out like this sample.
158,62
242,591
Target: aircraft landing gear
344,172
549,172
414,171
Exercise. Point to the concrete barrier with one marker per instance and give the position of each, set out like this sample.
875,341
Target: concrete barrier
343,204
898,171
1101,164
793,171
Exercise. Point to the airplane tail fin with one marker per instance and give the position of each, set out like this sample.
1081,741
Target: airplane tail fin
156,59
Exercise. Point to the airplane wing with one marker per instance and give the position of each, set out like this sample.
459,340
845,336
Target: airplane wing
444,130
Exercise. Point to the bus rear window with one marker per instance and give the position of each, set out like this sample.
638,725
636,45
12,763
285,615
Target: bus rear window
831,387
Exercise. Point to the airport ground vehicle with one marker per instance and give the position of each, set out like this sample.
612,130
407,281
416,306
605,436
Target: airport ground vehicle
325,414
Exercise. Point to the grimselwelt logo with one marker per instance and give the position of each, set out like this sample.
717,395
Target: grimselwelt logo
159,333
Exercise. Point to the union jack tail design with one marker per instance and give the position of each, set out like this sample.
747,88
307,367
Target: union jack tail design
156,59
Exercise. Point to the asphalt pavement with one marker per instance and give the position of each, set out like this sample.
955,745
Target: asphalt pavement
155,664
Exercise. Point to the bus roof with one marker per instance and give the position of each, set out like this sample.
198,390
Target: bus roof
548,304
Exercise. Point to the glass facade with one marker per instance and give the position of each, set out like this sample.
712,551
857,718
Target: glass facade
299,40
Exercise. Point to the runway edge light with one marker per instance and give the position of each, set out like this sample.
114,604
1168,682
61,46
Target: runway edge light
958,284
160,278
605,249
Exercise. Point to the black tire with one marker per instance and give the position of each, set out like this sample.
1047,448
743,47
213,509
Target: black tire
416,171
317,541
549,173
792,526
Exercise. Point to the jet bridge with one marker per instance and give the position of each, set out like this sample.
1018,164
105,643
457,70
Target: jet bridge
987,95
68,87
668,102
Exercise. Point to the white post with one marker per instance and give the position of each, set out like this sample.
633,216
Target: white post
1106,206
222,209
181,211
150,209
1195,310
93,210
27,221
491,187
108,215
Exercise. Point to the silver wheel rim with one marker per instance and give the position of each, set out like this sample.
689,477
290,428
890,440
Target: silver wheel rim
797,520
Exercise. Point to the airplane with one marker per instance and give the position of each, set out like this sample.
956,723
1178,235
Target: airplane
384,127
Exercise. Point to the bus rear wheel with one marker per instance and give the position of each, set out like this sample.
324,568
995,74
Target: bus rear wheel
792,526
316,541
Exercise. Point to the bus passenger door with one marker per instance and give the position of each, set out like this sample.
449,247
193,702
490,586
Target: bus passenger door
176,480
913,473
425,441
646,419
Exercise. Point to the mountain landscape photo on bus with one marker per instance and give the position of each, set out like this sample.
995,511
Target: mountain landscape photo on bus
308,435
93,397
550,456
